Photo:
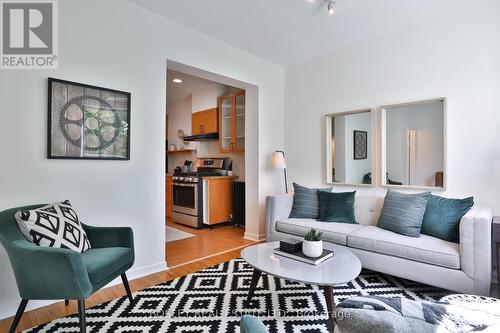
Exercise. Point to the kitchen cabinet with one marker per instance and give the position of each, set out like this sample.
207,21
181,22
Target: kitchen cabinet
217,199
168,198
232,123
204,122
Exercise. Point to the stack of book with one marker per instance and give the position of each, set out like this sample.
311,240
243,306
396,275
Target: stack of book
292,249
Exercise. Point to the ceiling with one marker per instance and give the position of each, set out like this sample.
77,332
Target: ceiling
288,32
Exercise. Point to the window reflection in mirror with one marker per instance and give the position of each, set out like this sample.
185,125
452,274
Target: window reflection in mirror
349,147
414,144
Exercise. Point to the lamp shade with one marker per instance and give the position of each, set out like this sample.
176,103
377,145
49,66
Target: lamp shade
278,160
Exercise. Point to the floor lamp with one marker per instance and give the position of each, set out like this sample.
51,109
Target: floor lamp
278,162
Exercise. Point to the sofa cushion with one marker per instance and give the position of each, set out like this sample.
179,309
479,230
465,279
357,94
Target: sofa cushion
403,213
333,232
305,202
442,217
427,249
336,207
104,263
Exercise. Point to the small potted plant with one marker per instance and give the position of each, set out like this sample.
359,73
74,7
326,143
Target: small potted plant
313,244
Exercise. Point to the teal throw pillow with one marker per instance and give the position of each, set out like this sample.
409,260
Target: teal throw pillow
336,207
442,217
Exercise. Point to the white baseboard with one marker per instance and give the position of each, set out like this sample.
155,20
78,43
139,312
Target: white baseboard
254,237
9,310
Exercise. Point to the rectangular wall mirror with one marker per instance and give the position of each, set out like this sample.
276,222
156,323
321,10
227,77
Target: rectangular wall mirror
350,148
413,149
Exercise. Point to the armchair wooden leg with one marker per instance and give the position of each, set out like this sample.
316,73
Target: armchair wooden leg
18,316
81,316
127,287
66,302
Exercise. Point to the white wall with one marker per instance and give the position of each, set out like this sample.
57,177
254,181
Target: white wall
206,98
179,117
126,48
455,57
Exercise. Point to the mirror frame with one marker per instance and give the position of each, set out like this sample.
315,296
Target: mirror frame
372,145
383,154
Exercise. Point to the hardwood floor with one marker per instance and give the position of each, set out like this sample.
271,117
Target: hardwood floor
207,242
42,315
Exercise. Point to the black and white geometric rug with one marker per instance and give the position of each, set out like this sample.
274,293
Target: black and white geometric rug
213,300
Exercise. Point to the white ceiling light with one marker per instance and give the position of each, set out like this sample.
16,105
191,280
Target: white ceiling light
177,80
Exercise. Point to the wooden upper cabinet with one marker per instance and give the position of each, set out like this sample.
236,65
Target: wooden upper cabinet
197,123
204,122
232,123
210,124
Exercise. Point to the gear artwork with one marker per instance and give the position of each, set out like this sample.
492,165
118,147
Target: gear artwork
100,122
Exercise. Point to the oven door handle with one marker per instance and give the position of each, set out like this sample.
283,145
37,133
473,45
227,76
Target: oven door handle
185,185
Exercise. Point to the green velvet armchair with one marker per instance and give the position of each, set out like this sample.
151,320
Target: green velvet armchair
44,273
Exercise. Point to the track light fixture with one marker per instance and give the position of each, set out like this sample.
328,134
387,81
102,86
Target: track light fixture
330,6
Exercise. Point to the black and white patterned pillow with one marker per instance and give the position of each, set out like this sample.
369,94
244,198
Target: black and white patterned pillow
54,225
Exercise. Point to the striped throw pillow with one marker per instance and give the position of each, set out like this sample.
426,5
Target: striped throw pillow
305,202
403,213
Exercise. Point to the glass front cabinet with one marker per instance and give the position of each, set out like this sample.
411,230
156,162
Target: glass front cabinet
232,123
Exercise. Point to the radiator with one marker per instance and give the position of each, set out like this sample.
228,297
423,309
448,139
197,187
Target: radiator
239,203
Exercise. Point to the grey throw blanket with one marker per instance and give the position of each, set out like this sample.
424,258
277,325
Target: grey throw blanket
454,318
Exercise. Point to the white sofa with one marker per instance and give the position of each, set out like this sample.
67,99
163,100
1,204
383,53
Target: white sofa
464,267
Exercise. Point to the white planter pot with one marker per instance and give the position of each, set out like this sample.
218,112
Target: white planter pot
312,249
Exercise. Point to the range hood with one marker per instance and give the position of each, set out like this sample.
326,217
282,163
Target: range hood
202,137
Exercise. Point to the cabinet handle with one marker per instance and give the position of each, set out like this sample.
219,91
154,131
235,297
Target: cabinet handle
202,129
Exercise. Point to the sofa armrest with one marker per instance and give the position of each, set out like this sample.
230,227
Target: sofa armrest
277,207
48,273
475,247
100,237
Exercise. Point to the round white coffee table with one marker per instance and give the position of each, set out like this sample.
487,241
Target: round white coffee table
343,267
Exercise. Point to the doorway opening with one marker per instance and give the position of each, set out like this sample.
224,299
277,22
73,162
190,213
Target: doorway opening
205,164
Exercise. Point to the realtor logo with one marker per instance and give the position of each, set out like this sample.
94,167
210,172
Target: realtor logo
29,34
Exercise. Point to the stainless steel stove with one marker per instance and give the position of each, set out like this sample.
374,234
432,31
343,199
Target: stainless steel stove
187,192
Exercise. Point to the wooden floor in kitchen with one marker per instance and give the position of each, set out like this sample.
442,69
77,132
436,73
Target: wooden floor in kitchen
207,242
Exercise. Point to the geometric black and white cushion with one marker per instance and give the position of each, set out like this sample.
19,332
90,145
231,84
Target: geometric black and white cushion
54,225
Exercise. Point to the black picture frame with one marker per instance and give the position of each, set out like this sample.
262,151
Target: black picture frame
106,102
360,145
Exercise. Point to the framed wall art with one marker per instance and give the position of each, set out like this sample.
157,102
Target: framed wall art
87,122
360,145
